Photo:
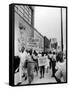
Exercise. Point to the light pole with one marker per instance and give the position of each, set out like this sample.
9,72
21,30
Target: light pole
61,31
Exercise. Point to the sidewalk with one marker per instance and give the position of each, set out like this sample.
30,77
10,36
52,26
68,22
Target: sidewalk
47,78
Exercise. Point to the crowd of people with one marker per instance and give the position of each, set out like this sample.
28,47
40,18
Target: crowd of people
27,63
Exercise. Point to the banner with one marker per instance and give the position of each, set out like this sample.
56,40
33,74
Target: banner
42,61
32,43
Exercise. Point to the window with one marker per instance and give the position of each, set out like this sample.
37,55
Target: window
25,12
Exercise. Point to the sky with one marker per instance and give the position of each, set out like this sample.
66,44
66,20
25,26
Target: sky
47,20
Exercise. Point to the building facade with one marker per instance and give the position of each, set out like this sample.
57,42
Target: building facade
25,33
23,26
46,44
53,44
26,12
40,41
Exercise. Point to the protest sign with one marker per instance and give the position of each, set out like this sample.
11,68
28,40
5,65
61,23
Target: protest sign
42,61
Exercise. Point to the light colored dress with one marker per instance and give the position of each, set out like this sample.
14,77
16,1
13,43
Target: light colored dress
23,57
61,72
47,62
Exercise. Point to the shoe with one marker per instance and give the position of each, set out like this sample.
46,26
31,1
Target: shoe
19,83
40,77
43,76
53,76
25,78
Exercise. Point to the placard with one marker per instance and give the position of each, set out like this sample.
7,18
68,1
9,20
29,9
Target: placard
42,61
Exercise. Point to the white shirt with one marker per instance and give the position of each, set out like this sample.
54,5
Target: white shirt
35,57
54,57
47,61
61,69
23,56
39,55
50,55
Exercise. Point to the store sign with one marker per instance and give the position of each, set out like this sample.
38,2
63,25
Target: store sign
42,61
33,43
33,40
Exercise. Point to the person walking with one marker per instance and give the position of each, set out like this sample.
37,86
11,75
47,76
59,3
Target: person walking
47,66
50,58
60,74
35,59
53,64
30,67
42,69
23,57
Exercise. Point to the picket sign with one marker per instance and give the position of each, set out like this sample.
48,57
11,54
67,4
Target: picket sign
42,61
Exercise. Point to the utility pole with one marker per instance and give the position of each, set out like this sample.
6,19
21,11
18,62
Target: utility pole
61,31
